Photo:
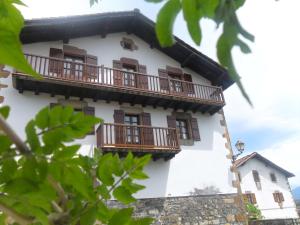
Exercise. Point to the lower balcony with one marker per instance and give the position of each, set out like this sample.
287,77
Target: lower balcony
71,78
122,138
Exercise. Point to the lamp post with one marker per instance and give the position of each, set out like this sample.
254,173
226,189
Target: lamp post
240,146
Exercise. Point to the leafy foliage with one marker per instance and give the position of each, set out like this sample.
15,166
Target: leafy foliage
222,12
53,184
253,212
11,23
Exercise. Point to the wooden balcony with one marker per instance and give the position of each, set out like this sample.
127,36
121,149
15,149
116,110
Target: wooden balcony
122,138
69,78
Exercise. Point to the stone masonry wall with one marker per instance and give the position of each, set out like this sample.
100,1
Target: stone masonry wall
276,222
191,210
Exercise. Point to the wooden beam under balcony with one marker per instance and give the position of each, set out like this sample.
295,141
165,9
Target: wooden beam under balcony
103,83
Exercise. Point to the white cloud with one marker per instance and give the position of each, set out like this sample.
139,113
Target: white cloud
286,154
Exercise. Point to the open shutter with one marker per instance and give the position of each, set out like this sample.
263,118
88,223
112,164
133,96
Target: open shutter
245,197
118,75
188,87
119,117
142,81
171,121
195,129
56,66
147,132
90,111
281,198
91,71
163,81
275,196
253,198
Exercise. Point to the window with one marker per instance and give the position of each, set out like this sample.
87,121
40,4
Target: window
256,179
128,44
183,130
73,65
176,84
129,75
250,198
273,177
132,131
255,176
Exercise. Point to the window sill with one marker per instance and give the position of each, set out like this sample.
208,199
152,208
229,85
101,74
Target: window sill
186,142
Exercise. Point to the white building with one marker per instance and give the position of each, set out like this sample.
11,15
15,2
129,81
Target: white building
110,65
266,185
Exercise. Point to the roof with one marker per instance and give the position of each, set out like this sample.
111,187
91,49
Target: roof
255,155
132,22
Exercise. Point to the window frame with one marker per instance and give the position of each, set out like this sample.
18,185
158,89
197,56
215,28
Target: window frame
180,128
273,177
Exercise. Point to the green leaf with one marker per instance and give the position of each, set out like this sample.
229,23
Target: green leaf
116,165
192,16
8,169
128,162
138,174
104,170
19,186
144,160
11,23
54,116
123,195
103,191
165,21
5,143
4,111
66,114
121,217
89,217
207,8
80,181
66,153
32,137
132,187
42,118
243,46
104,214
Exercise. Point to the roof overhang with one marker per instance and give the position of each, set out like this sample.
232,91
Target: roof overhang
132,22
255,155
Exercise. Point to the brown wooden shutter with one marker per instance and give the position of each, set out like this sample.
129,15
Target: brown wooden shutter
163,81
281,198
56,66
91,71
147,133
119,117
253,198
171,121
118,75
245,197
142,81
89,111
189,87
195,129
275,196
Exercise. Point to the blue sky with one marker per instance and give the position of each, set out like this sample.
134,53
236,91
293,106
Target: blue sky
270,74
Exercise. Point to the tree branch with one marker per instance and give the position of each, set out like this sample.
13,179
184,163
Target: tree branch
22,220
22,147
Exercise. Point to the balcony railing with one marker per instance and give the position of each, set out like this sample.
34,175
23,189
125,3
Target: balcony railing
58,69
137,138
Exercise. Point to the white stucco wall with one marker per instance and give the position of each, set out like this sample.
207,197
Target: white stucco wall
265,201
201,165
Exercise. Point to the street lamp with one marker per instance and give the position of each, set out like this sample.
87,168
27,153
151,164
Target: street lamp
240,146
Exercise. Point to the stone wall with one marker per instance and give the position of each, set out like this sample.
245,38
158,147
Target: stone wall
276,222
191,210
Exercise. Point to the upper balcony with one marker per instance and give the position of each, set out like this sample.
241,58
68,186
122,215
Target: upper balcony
71,78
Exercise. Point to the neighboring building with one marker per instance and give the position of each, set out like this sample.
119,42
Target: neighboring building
266,184
163,101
